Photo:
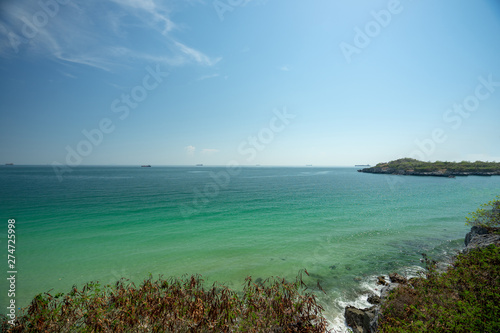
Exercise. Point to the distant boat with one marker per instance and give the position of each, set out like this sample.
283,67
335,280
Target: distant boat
146,166
362,165
9,163
199,165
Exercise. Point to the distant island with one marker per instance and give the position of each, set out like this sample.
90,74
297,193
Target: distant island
413,167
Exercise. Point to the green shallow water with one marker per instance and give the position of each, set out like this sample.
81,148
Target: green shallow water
344,227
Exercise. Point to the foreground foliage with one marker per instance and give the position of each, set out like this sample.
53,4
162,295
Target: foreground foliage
407,164
466,298
176,305
487,216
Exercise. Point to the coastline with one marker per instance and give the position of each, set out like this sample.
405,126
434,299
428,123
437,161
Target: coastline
366,320
449,174
412,167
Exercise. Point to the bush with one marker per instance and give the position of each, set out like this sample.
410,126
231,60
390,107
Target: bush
466,298
487,216
176,305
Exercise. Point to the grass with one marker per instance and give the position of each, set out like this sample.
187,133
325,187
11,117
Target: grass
176,305
465,298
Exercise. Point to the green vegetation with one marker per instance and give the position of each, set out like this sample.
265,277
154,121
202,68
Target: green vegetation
407,164
465,298
487,216
176,305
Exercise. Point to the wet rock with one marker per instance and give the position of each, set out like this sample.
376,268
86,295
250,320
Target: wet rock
360,320
374,299
381,280
396,278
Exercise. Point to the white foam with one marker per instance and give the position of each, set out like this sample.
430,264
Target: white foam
334,313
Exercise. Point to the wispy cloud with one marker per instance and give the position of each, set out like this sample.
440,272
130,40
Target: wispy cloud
97,34
284,68
206,77
196,55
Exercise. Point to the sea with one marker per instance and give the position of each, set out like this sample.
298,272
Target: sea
103,223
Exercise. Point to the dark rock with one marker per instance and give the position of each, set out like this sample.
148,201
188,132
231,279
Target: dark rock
480,241
475,231
333,267
381,280
374,299
360,320
396,278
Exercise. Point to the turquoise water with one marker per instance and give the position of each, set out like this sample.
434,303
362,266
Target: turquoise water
344,227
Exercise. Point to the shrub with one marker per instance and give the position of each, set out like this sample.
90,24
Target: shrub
488,215
466,298
176,305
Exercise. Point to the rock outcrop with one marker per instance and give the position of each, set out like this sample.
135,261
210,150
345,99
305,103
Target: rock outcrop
366,320
439,173
361,320
480,237
475,231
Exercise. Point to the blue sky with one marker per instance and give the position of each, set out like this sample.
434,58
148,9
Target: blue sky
254,82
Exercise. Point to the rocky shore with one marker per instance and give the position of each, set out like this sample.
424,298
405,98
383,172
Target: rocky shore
366,320
439,173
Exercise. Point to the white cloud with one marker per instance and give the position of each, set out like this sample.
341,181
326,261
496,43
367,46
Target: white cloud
190,150
196,55
97,34
284,68
159,15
